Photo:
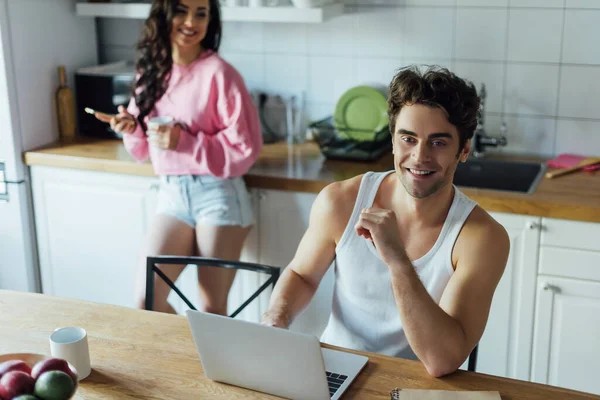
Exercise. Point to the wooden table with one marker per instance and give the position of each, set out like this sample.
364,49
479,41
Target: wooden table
140,354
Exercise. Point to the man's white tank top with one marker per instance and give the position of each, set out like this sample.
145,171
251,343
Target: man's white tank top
364,314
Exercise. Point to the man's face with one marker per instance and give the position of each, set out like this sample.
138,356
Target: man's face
425,149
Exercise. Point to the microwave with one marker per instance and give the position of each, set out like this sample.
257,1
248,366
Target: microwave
103,88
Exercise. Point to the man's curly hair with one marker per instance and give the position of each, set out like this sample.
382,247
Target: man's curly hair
436,87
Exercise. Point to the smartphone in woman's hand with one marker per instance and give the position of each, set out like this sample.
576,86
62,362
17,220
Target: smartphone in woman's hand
123,122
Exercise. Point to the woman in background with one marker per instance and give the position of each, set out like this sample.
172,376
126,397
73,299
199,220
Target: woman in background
204,207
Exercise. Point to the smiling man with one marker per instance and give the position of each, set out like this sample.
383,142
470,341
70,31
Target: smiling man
417,262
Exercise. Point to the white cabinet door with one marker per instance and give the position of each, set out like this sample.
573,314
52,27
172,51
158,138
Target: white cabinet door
283,220
89,229
504,349
566,345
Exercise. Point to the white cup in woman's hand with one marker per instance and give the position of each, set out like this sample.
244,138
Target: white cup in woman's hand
123,122
163,133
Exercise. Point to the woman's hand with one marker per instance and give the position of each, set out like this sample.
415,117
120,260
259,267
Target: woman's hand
123,122
164,137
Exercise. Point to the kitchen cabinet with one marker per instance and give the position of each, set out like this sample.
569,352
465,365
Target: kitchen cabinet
565,346
282,221
504,347
282,14
89,228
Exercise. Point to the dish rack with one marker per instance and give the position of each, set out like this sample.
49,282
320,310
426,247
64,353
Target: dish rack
345,145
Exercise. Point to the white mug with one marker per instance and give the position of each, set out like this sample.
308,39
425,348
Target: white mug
71,344
157,122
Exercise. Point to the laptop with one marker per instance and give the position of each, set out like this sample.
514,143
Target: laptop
271,360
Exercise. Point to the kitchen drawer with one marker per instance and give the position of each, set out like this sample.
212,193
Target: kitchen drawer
570,263
573,234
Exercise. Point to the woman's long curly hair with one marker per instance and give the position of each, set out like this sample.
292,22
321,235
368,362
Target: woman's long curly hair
154,62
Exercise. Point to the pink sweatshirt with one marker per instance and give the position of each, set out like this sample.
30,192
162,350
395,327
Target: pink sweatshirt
223,136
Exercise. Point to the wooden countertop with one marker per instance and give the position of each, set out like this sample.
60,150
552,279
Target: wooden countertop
303,168
137,354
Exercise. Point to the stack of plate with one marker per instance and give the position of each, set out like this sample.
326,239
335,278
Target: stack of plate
360,113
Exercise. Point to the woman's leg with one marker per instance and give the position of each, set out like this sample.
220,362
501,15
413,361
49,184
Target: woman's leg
167,236
224,242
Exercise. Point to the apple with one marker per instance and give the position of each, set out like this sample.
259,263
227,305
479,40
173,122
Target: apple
52,364
54,385
16,383
14,365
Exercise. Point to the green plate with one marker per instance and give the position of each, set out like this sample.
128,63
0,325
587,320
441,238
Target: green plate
360,113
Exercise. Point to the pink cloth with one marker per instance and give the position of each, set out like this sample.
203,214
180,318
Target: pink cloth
223,133
570,160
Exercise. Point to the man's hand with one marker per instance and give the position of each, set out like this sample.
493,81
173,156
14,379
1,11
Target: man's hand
273,318
380,226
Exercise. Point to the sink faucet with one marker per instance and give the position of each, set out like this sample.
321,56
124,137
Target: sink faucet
480,140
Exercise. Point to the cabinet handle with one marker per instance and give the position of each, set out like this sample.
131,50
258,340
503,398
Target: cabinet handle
533,225
552,288
154,187
262,195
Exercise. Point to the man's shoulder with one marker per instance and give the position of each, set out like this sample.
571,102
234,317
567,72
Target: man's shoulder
335,203
343,191
483,224
482,235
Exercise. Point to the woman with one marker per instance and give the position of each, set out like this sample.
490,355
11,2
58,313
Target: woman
204,207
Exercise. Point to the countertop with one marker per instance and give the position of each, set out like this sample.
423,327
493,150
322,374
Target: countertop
302,168
150,355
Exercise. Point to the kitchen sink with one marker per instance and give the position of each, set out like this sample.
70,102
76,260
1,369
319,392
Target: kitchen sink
511,176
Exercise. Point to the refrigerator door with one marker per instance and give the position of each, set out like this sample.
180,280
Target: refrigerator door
18,259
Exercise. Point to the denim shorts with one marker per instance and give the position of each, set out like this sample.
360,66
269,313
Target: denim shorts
196,199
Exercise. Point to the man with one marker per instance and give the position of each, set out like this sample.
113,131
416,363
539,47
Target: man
417,262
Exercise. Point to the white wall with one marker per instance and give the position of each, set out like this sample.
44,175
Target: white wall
539,59
45,34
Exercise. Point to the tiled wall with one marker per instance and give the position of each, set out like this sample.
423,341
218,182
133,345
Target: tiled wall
540,59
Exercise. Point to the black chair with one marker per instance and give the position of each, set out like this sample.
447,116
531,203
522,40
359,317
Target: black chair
151,269
473,359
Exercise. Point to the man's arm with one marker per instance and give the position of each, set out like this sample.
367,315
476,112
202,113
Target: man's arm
316,251
443,336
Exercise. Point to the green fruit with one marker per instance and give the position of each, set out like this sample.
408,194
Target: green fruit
54,385
26,397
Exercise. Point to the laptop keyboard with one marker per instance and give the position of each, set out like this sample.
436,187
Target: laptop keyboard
335,381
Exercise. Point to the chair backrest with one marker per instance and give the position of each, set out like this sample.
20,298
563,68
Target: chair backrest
152,268
473,359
